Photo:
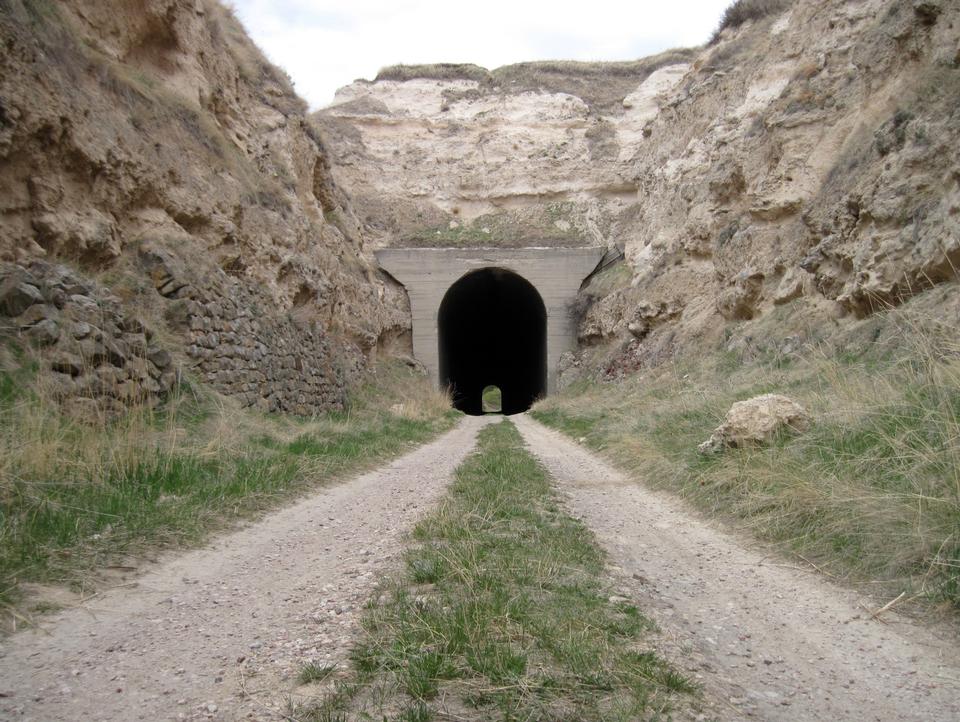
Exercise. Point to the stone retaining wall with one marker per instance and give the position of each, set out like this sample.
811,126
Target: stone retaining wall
243,346
274,363
100,357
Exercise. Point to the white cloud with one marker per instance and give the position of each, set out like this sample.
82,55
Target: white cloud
325,45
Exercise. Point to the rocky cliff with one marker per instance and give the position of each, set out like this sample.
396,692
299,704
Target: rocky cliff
163,192
153,165
807,156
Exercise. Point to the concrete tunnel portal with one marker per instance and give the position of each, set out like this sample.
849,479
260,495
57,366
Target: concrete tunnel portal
492,331
492,316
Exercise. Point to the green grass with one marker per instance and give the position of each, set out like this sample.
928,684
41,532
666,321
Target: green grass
314,672
75,498
870,494
492,400
504,612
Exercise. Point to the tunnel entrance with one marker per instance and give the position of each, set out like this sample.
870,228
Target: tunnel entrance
492,331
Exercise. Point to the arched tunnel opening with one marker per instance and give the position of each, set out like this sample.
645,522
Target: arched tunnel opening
492,328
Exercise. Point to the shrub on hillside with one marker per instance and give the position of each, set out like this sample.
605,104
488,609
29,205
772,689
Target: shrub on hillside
742,11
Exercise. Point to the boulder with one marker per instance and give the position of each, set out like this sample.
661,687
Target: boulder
757,421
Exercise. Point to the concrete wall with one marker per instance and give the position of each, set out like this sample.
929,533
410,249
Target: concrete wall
427,274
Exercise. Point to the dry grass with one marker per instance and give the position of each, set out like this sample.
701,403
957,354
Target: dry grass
871,493
435,71
602,84
76,496
743,11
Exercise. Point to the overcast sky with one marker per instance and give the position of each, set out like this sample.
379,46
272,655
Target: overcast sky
325,45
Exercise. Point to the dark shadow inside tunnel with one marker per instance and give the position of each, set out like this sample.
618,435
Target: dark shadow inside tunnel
492,329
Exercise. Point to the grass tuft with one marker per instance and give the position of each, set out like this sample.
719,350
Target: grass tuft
315,672
741,12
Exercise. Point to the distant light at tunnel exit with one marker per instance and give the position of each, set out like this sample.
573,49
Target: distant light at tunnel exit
492,331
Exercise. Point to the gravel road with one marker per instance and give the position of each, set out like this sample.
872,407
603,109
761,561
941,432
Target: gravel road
765,640
222,632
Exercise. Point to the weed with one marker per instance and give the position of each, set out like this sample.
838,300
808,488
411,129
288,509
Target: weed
743,11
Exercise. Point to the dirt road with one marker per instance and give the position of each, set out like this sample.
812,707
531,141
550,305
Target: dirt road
221,633
766,641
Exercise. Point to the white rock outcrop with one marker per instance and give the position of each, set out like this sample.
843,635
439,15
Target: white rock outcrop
807,158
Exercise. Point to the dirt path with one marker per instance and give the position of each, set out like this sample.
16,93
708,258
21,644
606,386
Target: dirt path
221,633
770,642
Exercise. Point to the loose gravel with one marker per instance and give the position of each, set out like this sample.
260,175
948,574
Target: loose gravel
222,633
767,640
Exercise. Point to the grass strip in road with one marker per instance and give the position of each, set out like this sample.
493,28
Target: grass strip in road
503,611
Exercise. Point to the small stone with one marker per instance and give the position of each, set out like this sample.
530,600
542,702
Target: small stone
80,330
84,302
116,351
159,357
131,324
67,363
57,296
211,707
35,314
45,333
16,296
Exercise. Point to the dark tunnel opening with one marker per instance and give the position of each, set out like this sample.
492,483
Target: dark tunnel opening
492,329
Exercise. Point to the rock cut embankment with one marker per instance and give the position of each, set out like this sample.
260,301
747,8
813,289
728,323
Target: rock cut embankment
807,156
151,148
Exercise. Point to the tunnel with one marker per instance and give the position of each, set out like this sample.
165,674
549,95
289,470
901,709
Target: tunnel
492,331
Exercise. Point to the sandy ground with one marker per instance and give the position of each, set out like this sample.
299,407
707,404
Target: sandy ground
221,633
766,641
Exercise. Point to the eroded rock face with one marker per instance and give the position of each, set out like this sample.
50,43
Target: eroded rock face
156,129
808,157
757,421
531,155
